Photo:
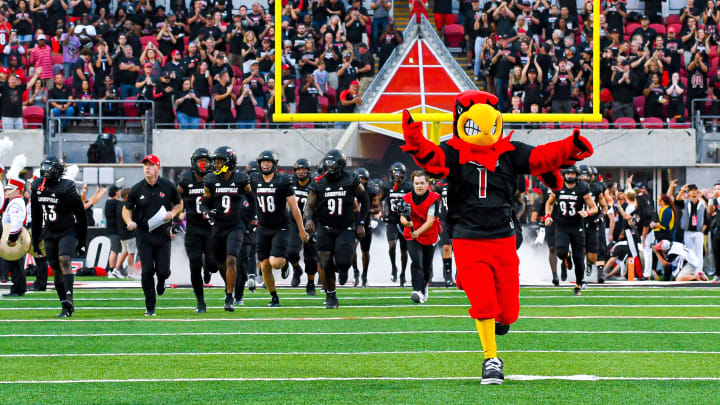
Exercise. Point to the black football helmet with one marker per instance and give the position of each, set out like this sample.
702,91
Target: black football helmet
398,172
571,170
302,163
52,169
252,167
594,171
585,172
362,173
228,158
268,155
335,161
196,165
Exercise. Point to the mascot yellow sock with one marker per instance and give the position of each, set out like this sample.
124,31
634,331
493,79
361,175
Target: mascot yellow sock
486,330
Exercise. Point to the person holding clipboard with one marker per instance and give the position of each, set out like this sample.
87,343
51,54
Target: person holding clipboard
150,206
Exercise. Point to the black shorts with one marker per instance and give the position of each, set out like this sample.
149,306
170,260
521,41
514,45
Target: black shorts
199,241
63,246
550,235
227,243
620,251
271,242
115,245
444,237
367,240
340,241
567,237
393,232
592,236
295,244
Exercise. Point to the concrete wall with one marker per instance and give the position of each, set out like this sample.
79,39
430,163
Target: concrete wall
627,148
28,142
703,176
174,147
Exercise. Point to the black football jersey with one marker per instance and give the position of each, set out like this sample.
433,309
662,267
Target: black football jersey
226,198
479,200
336,200
301,192
569,202
271,198
596,190
192,194
372,191
393,195
57,210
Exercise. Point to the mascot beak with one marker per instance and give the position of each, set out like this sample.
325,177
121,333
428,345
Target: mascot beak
480,125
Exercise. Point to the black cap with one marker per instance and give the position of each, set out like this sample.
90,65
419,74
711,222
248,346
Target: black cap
692,187
532,70
587,50
112,190
644,17
614,30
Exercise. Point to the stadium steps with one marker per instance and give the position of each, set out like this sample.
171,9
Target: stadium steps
401,17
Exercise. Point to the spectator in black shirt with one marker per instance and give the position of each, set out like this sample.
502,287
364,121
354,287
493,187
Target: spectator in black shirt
504,20
224,99
366,72
355,25
654,97
532,86
562,84
615,14
256,83
309,93
697,82
11,101
675,49
347,71
128,70
202,83
81,70
61,108
246,104
623,90
145,86
221,65
163,95
288,85
102,65
505,59
175,69
675,92
308,58
389,40
350,98
473,18
715,94
186,101
644,30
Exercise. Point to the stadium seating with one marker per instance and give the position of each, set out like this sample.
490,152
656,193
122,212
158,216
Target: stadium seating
652,123
454,35
625,123
33,116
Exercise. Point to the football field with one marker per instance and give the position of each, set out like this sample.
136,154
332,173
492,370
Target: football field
611,345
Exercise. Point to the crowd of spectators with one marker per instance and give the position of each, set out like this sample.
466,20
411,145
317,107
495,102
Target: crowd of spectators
536,55
197,60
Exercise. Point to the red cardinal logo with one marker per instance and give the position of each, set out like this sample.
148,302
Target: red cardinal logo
162,195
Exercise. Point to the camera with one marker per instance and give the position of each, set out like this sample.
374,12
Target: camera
402,208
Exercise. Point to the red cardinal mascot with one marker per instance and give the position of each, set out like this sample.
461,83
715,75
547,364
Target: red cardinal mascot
480,166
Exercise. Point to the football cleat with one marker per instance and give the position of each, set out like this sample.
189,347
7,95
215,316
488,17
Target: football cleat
492,372
150,312
229,304
62,314
584,286
601,280
201,308
160,288
238,301
297,273
555,281
331,301
416,297
393,277
285,271
356,278
68,306
501,329
563,271
206,277
402,279
274,302
310,288
576,291
251,284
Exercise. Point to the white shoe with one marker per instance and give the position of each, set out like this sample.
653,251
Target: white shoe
118,274
417,297
425,295
111,274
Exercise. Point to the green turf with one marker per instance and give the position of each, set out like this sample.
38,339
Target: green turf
317,352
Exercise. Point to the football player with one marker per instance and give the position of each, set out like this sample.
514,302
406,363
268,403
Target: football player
273,193
223,208
301,185
198,232
571,201
592,223
392,194
61,223
373,192
331,202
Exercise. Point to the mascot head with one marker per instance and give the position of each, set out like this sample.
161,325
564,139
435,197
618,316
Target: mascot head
476,120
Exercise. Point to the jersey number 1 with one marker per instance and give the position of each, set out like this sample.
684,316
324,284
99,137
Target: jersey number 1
482,182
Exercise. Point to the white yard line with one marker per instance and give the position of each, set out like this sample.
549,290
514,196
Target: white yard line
379,306
366,353
359,333
310,379
352,298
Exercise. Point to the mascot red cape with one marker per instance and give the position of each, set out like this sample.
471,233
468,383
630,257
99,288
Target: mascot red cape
480,166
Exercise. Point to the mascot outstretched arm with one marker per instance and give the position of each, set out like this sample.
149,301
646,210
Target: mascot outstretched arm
481,165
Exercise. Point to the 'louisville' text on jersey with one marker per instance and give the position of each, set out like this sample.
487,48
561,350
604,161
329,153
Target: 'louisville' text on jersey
221,190
52,200
339,193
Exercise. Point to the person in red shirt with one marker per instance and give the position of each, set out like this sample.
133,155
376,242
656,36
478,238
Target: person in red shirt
422,228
